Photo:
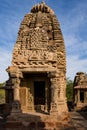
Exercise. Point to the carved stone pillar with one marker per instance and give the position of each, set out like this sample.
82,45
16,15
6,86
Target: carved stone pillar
78,96
75,97
16,106
16,89
46,106
62,86
54,95
86,96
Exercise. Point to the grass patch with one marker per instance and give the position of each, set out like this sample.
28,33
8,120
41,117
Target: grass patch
2,96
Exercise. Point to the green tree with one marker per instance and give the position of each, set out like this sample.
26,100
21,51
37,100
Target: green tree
2,84
69,90
2,93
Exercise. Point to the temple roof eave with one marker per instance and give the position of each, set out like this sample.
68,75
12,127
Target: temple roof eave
80,87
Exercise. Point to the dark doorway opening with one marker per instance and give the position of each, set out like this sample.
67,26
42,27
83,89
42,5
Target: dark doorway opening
39,92
82,96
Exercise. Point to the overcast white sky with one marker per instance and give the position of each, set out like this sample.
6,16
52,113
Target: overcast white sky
72,15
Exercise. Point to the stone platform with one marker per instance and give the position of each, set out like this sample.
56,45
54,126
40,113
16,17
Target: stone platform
35,121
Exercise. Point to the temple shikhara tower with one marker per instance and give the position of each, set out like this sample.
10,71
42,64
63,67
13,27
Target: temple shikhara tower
80,91
37,77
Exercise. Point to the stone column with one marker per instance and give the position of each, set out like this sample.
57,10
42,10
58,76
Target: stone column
46,99
16,89
16,106
86,95
54,95
62,85
75,96
78,96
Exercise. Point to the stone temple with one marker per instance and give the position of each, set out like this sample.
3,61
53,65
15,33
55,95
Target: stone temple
37,77
80,91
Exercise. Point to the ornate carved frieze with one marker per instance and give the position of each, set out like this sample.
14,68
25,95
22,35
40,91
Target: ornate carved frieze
38,38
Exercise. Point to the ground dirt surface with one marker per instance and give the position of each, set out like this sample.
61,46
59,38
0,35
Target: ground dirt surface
78,121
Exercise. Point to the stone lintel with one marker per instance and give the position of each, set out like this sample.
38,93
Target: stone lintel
38,69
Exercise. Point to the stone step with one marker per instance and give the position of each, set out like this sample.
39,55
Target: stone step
35,126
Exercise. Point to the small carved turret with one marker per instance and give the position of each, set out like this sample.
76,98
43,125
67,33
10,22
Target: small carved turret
80,79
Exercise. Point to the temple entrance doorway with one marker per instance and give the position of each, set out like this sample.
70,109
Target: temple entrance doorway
35,92
39,92
82,96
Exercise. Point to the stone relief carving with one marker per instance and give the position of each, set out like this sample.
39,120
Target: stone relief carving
60,57
23,94
37,38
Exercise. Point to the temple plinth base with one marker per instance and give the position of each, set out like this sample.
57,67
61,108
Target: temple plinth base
36,121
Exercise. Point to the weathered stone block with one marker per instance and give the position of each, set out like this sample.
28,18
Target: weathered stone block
12,125
32,125
41,125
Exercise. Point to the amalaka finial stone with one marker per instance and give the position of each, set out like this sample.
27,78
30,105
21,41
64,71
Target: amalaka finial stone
43,2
